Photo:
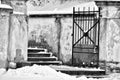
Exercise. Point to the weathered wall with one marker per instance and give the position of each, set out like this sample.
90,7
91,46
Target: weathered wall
112,33
45,32
17,5
4,27
66,39
18,36
102,46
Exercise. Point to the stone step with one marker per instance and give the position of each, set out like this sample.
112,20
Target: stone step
31,54
42,58
71,70
36,50
46,62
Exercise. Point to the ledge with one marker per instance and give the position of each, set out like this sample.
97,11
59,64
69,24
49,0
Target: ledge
5,6
13,0
107,3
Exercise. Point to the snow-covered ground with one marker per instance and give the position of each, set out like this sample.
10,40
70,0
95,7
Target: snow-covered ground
36,72
64,67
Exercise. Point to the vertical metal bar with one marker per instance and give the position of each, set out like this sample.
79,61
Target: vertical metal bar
77,28
75,19
73,36
92,35
88,24
83,24
98,35
85,20
94,28
78,24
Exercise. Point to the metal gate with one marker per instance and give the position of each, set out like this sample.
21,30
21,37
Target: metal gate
86,31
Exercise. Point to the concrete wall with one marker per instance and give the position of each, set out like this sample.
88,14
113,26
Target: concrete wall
66,39
17,5
4,28
18,37
110,47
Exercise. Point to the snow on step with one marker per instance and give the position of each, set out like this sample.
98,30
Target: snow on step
41,56
71,70
46,62
75,68
37,72
37,50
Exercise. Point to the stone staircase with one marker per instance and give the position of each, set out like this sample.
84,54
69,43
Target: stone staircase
42,57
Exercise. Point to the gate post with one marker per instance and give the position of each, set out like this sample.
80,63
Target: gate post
73,35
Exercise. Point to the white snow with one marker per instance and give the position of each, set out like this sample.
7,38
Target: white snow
66,10
5,6
62,67
2,71
20,13
36,72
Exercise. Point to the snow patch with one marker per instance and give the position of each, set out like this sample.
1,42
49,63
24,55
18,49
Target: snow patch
20,13
2,71
5,6
68,10
75,68
36,72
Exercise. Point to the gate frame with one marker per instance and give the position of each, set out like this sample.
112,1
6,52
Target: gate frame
99,18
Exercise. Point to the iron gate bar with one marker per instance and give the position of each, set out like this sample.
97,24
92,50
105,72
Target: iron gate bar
78,41
91,40
85,32
84,25
88,18
84,11
98,35
94,30
83,48
86,53
78,23
93,26
79,26
73,35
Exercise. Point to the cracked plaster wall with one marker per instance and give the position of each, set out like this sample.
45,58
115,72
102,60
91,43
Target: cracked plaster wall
4,27
18,36
110,34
